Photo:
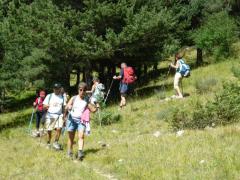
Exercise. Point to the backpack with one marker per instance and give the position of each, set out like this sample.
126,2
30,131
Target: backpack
184,69
128,75
99,92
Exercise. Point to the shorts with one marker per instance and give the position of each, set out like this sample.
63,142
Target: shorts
123,89
93,100
75,125
177,79
54,123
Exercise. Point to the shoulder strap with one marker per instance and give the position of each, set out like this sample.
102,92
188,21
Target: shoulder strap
74,98
50,96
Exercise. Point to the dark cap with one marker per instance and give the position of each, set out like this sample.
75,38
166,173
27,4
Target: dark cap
57,85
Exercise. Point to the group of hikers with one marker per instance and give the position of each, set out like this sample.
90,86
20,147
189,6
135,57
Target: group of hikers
57,111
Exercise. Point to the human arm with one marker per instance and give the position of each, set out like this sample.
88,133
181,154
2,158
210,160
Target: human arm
120,76
92,90
67,108
35,103
46,103
175,66
92,107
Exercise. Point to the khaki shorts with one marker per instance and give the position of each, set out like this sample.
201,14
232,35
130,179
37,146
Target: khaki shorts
54,123
177,79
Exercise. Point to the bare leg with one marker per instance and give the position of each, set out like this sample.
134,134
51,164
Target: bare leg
80,140
49,136
71,136
58,133
123,101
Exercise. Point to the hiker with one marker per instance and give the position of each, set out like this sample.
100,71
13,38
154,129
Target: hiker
78,110
54,103
127,77
182,70
97,92
38,105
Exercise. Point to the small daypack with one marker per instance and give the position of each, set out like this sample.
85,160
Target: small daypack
184,69
99,92
128,75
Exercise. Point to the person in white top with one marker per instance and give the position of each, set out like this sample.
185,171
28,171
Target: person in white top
75,107
54,103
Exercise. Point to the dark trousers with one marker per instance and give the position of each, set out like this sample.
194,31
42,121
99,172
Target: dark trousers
39,118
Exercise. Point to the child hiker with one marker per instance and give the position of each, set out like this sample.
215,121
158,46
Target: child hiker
38,104
77,119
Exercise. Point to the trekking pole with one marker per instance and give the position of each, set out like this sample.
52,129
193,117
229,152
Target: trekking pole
169,69
108,92
30,123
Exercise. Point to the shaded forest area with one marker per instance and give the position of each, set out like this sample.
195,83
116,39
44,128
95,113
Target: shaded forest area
45,41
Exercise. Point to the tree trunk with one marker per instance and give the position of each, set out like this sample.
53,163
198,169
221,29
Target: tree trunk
78,77
88,75
145,70
101,73
199,57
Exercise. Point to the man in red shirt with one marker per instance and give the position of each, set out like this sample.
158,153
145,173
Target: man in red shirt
38,104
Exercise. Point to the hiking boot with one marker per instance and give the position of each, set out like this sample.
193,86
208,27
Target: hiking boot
36,134
80,155
70,155
56,145
48,145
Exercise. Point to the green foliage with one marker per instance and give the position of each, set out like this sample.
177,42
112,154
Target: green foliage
235,71
217,33
204,85
106,117
224,109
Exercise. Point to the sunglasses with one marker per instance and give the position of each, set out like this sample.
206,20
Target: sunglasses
80,89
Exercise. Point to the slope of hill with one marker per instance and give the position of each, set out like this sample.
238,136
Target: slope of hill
140,146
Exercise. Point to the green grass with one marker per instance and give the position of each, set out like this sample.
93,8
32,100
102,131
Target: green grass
132,151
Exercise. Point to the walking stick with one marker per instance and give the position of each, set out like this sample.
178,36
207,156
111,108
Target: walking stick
108,91
30,123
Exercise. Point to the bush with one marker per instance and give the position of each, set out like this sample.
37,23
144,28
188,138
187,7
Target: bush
205,85
105,117
224,109
217,34
235,71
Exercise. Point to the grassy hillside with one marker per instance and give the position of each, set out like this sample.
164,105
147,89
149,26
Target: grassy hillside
141,145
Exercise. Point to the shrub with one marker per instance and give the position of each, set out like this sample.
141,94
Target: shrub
106,117
205,85
224,109
235,71
217,34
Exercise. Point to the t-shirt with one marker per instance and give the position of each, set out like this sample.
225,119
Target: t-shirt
78,107
39,103
55,103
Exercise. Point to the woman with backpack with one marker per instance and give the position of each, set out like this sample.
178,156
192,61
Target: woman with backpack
78,110
97,92
178,76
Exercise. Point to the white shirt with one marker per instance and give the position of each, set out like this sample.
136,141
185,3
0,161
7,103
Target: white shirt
55,103
78,108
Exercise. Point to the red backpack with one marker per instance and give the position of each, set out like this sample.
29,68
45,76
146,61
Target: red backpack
128,75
